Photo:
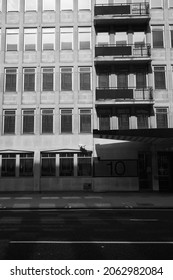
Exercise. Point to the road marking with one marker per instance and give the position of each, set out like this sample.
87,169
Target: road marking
53,197
143,220
23,197
90,242
5,198
62,209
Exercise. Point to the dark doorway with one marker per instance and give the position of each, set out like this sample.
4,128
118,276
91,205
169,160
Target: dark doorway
165,171
145,171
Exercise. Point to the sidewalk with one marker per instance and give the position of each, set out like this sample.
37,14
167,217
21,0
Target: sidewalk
84,200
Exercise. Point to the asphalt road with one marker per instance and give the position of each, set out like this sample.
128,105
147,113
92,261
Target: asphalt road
86,234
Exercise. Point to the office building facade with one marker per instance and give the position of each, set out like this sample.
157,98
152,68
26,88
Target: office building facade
86,95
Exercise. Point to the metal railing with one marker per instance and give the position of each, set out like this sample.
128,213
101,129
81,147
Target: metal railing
122,9
135,50
125,93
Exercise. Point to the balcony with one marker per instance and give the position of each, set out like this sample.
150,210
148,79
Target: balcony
122,53
114,13
124,95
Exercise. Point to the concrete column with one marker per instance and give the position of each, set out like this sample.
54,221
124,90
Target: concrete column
75,165
37,165
17,165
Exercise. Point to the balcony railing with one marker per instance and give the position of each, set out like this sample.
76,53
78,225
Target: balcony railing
135,94
123,50
134,9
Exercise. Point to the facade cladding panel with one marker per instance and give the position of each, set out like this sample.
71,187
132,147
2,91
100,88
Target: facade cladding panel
86,99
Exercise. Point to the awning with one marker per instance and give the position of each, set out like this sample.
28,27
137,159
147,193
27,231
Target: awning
156,136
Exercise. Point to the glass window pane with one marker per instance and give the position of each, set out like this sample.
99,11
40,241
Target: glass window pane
9,122
11,77
66,38
12,39
49,5
28,121
29,79
48,79
66,4
30,39
30,5
47,121
84,4
13,5
48,38
66,79
84,38
158,39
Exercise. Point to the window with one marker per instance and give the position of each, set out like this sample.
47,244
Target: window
84,4
85,121
9,121
66,5
48,164
158,41
13,5
85,78
101,2
84,38
49,5
104,119
66,38
28,121
66,79
66,121
11,80
139,39
47,120
47,79
159,77
141,80
142,119
156,4
84,164
66,164
30,39
29,79
170,3
8,168
122,80
121,38
48,39
171,35
102,39
103,80
26,165
12,39
30,5
123,119
162,117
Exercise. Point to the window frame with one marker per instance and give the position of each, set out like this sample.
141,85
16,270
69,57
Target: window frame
16,82
31,9
62,88
10,33
26,157
85,28
17,6
50,157
158,29
6,157
162,113
87,156
48,9
84,9
66,156
33,115
70,32
35,77
34,38
71,8
155,6
83,70
14,121
49,73
85,112
49,33
66,112
50,113
165,76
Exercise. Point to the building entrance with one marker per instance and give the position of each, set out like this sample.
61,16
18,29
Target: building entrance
165,171
145,171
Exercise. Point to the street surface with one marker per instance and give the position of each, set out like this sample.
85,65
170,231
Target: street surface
86,234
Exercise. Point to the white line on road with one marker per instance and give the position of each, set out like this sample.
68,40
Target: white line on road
143,220
90,242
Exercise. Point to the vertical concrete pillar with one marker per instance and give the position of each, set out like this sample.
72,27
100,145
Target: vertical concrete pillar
17,165
75,165
37,166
